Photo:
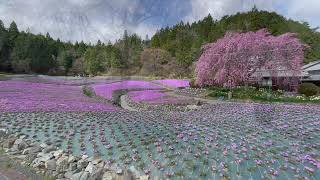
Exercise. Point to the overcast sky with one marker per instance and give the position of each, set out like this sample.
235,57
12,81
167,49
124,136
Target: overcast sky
90,20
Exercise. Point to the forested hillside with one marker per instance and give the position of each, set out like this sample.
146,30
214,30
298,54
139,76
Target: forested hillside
183,41
178,46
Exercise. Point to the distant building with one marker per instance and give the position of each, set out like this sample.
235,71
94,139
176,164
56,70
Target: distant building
278,79
313,71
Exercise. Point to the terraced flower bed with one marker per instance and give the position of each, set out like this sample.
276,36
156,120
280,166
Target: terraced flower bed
62,80
231,141
173,83
156,97
16,96
106,90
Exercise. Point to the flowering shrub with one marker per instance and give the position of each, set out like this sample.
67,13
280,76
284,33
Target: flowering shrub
173,83
155,97
232,60
18,96
106,90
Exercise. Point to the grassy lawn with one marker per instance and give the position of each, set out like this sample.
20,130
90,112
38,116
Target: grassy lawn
3,77
259,95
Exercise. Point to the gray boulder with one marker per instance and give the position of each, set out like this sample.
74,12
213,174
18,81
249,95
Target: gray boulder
80,176
8,143
91,168
62,164
20,144
32,150
51,164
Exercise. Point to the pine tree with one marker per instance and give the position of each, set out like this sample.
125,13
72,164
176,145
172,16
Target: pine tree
13,33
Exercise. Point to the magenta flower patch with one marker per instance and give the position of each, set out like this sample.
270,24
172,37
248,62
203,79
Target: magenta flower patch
173,83
106,90
18,96
155,97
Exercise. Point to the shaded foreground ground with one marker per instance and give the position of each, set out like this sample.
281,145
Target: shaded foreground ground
225,140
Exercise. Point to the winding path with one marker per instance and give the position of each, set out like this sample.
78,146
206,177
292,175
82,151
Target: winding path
124,104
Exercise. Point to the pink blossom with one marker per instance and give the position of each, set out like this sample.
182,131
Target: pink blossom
234,59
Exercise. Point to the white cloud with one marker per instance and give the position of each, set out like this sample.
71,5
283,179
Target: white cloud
301,10
77,19
305,10
219,8
90,20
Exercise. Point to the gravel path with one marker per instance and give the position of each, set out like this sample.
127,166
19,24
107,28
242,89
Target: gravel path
124,104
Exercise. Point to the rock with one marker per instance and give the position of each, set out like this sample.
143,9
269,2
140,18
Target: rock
21,157
20,144
84,157
45,157
97,175
76,176
72,166
144,177
49,149
57,153
192,107
3,133
51,164
85,176
30,157
31,150
8,143
109,176
128,175
12,152
62,164
81,164
100,165
69,174
96,161
134,171
37,163
43,145
117,169
91,168
80,176
72,159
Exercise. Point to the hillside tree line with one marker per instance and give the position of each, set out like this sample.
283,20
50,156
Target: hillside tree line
177,47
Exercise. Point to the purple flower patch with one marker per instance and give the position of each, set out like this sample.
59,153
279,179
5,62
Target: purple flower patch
18,96
155,97
106,90
173,83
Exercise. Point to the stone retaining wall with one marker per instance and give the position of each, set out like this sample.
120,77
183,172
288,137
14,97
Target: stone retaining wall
53,162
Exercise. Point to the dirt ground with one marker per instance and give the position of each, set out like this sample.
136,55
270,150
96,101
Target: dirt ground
8,172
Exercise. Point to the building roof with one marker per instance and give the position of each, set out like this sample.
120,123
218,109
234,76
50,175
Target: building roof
312,78
279,73
312,66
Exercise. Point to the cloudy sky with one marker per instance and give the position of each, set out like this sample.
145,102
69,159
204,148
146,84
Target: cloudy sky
90,20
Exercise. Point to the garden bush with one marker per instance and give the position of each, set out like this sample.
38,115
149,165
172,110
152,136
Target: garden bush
87,91
308,89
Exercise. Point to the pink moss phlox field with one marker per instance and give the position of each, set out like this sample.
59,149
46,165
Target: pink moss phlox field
147,95
106,90
173,83
237,56
154,97
18,96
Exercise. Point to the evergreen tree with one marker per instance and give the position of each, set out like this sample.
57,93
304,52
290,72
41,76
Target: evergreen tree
13,33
